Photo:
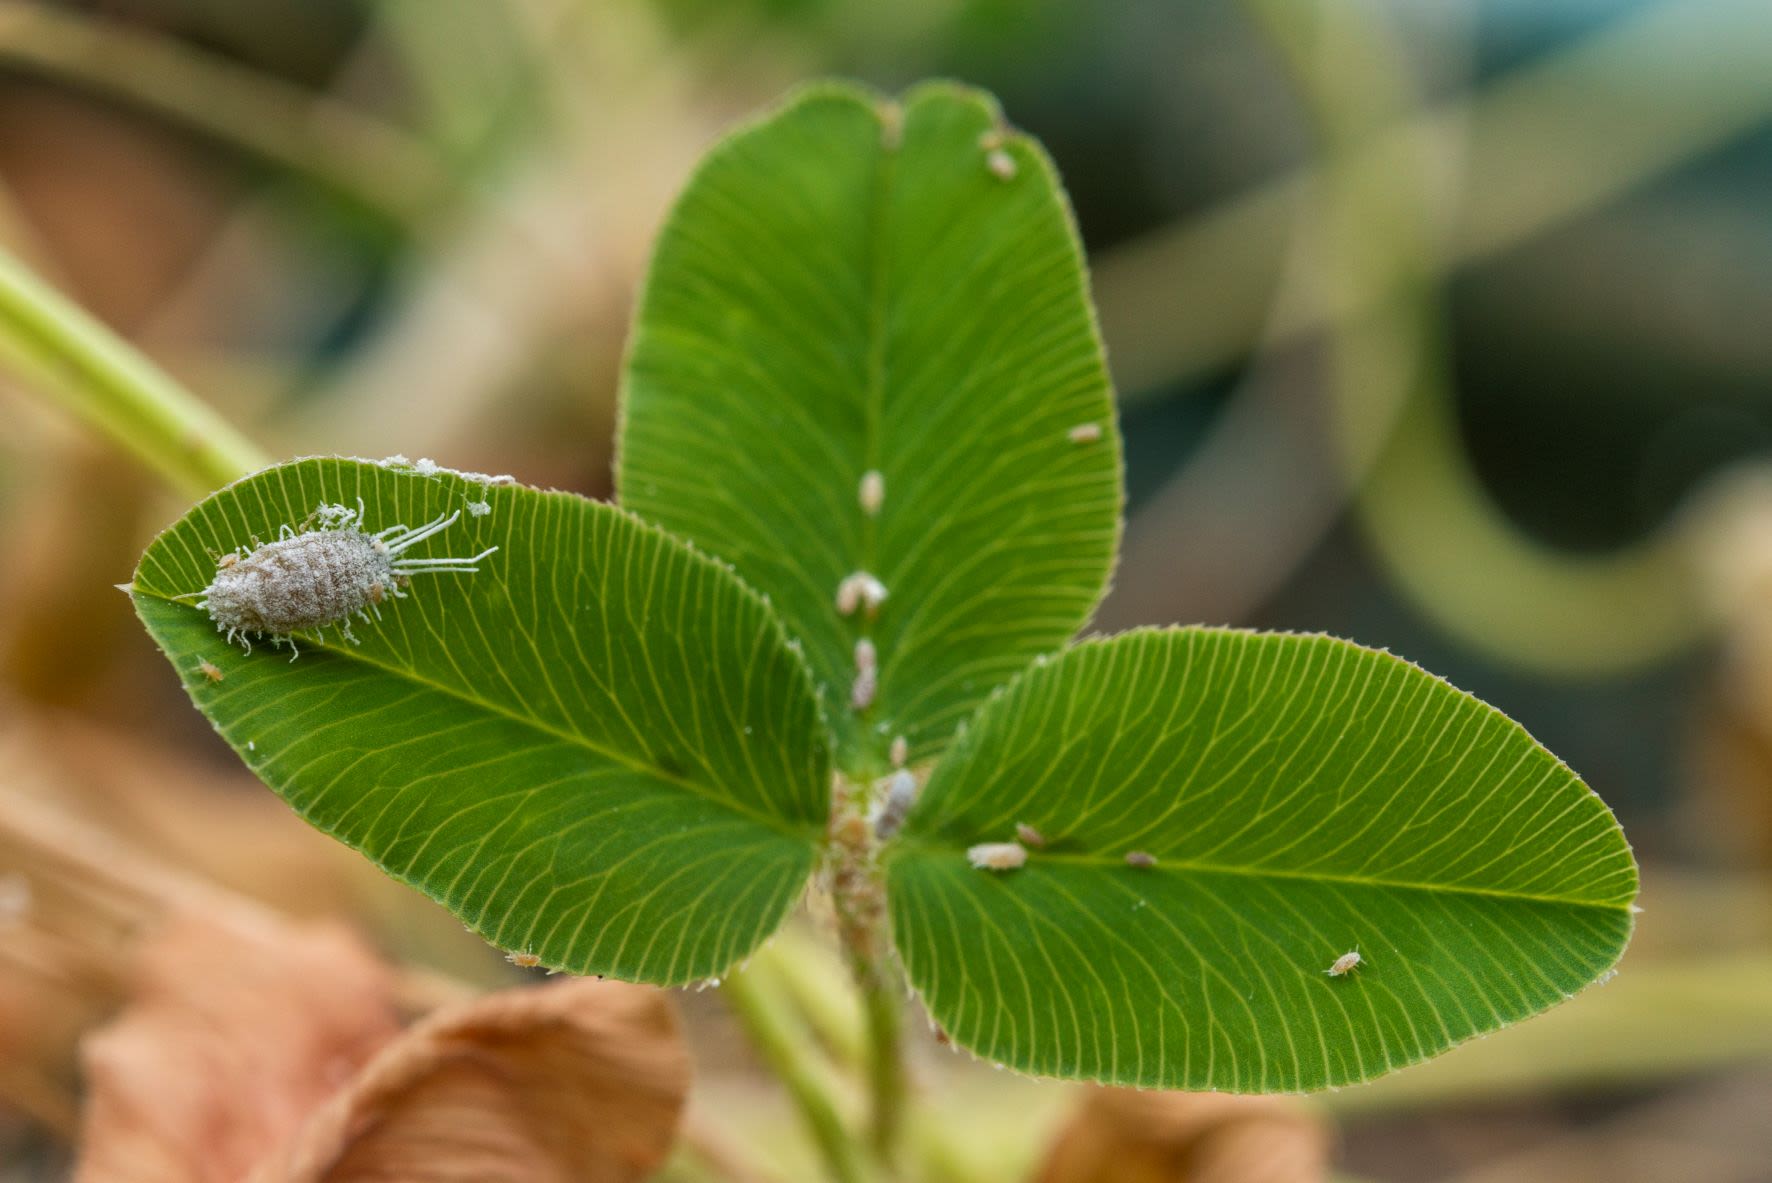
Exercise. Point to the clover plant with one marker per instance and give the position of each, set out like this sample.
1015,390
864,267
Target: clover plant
870,490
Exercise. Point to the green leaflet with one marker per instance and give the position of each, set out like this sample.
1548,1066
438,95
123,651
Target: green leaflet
1302,796
847,286
600,748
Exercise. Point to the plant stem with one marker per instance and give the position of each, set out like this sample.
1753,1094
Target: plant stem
859,897
886,1076
790,1057
814,980
66,355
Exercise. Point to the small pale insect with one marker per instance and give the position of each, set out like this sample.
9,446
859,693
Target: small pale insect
894,804
1001,164
210,670
1084,433
997,856
1346,963
321,578
1140,858
899,752
860,590
872,493
523,960
867,674
1028,836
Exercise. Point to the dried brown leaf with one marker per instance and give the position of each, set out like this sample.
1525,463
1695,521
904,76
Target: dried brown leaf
232,1039
580,1081
277,1058
1122,1136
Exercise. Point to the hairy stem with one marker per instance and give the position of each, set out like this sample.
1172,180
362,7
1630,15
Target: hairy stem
789,1054
860,901
64,355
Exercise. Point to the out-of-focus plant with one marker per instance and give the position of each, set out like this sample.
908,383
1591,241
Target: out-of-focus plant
1395,199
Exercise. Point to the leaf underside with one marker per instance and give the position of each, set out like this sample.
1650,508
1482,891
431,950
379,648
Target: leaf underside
599,749
848,286
1302,797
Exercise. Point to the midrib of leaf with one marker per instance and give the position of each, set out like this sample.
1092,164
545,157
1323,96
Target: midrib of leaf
708,792
1170,865
879,299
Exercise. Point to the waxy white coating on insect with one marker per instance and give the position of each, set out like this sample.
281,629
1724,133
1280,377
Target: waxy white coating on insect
894,804
321,578
872,493
1140,858
1084,433
1028,836
997,856
425,466
867,672
1001,164
860,590
899,752
479,509
1343,964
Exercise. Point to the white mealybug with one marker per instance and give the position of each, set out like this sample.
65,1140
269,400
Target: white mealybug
889,813
1140,859
1345,963
860,590
997,856
320,578
899,752
872,493
867,673
1084,433
1028,836
1000,163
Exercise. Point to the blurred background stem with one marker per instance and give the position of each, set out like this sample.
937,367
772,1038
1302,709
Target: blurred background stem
64,355
1544,144
381,168
1384,238
784,1046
